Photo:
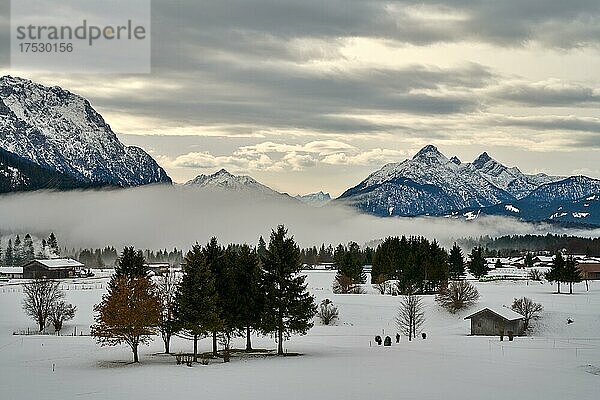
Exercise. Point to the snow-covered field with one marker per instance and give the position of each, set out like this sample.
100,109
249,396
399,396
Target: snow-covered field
559,361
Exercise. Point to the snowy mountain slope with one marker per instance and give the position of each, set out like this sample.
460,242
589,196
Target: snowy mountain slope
429,183
573,200
18,174
511,180
318,199
60,131
223,180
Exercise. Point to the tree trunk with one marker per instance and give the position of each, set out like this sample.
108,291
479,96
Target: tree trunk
570,287
134,348
248,342
280,341
195,348
215,349
167,340
558,287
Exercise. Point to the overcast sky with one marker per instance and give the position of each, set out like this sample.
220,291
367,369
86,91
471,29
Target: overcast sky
309,95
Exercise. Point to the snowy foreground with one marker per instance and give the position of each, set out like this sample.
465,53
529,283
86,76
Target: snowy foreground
559,361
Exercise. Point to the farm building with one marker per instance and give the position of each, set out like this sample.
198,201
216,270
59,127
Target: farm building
52,269
490,322
11,272
158,268
590,269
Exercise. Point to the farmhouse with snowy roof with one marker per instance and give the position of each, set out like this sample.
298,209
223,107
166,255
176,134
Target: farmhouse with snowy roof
492,322
57,268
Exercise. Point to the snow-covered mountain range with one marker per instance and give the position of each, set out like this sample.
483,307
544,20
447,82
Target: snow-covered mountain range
60,132
574,200
318,199
432,184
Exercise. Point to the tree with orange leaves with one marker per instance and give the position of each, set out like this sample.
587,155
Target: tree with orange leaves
129,313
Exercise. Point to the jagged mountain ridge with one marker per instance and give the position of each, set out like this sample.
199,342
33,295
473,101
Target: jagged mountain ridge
60,131
511,180
429,183
432,184
317,199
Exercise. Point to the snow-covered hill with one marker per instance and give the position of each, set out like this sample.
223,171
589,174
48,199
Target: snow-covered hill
60,131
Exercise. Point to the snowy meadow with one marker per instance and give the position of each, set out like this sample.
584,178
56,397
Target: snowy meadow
557,361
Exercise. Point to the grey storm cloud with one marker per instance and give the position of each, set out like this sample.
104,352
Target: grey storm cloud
274,96
508,22
553,94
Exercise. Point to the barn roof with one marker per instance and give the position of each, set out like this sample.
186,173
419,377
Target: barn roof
502,312
11,270
60,263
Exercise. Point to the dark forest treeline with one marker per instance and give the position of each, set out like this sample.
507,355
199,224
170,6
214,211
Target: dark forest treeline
512,245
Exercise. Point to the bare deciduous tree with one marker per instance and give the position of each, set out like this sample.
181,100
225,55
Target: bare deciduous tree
411,315
166,288
458,295
529,309
327,312
61,312
40,296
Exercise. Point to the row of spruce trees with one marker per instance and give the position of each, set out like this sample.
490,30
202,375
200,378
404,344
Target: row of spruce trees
417,264
20,251
224,292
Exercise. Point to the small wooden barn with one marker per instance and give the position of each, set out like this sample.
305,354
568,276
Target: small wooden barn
57,268
493,322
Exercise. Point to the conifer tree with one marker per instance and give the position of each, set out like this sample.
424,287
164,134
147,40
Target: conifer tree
249,296
52,244
478,265
350,273
261,249
213,254
9,259
571,274
557,270
18,253
196,302
456,263
28,248
131,264
289,308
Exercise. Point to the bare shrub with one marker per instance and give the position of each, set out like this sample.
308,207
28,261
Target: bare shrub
61,312
411,315
535,275
458,295
327,312
529,309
